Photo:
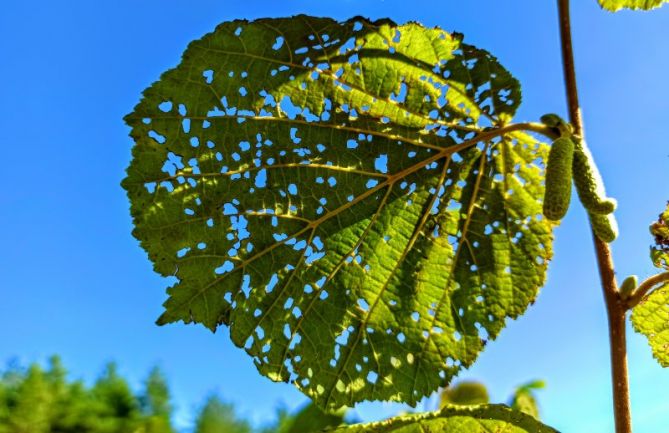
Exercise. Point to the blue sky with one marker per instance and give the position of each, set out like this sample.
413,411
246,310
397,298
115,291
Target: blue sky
75,282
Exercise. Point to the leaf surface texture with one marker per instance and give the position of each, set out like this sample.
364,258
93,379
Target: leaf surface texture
338,195
651,318
616,5
457,419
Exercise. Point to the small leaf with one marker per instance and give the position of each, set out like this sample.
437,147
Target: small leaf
651,318
525,401
344,197
659,253
616,5
456,419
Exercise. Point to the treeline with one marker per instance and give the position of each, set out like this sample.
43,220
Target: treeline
43,400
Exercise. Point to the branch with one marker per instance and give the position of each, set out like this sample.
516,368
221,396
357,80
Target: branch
644,288
615,306
540,128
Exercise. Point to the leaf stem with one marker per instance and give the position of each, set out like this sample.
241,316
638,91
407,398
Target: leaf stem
644,288
540,128
615,306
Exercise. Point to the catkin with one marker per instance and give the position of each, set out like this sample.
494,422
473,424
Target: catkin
558,179
604,226
588,181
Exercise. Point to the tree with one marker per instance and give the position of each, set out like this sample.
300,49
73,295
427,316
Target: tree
30,407
155,403
115,409
355,202
309,418
219,417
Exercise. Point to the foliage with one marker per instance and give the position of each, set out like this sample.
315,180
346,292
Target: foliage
217,417
470,393
615,5
659,253
36,401
352,201
456,419
525,401
347,197
155,403
310,418
651,316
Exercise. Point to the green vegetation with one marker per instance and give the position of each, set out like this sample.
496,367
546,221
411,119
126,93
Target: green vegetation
355,202
314,229
37,400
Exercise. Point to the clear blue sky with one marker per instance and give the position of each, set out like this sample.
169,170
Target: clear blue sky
74,282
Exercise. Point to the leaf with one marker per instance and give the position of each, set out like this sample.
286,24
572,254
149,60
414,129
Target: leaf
616,5
456,419
348,198
659,253
651,318
524,400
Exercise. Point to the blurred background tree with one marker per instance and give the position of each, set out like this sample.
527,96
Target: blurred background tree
44,400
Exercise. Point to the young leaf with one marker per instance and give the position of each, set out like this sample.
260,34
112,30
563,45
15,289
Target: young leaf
659,253
524,400
616,5
651,318
346,197
456,419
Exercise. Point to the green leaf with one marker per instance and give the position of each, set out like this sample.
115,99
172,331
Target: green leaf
616,5
651,318
524,400
456,419
348,198
659,253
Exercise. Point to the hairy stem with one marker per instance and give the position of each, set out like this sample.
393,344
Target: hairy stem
616,308
646,286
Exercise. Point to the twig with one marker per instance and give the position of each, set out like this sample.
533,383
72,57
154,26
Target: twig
646,286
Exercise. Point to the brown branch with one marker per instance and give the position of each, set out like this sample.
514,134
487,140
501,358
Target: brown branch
644,288
615,306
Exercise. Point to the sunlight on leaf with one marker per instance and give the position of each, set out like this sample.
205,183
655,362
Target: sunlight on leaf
616,5
651,318
338,195
456,419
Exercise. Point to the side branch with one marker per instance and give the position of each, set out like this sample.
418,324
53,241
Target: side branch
645,287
